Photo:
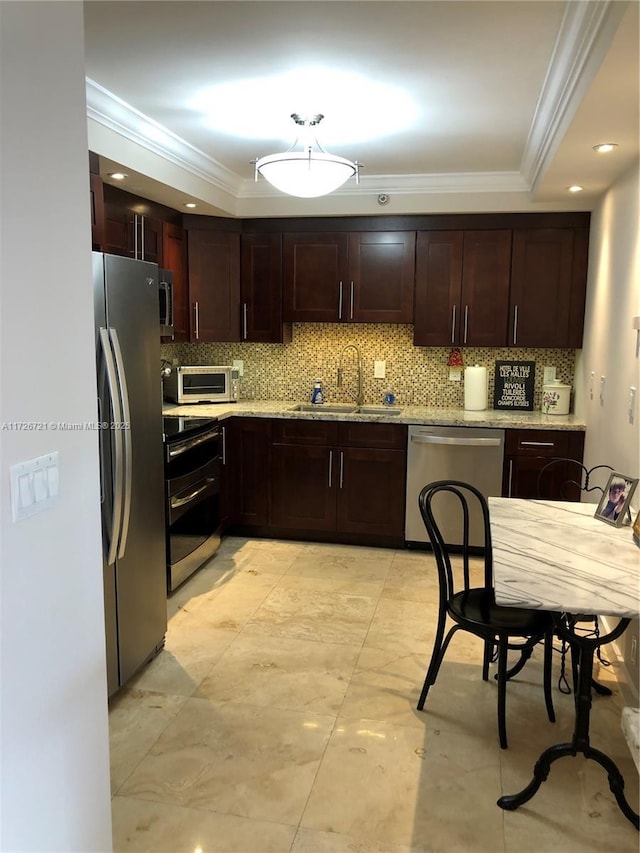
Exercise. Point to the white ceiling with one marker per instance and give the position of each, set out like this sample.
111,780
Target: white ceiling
500,102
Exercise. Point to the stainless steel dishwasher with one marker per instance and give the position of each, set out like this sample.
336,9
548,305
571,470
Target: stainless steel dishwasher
471,454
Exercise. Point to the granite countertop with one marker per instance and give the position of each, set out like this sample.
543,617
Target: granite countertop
421,415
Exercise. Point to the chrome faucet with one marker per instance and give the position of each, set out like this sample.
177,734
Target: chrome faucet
359,395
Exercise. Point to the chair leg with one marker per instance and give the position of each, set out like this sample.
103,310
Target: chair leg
437,654
548,660
486,658
502,693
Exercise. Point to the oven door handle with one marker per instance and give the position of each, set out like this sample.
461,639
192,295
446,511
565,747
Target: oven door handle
177,502
189,444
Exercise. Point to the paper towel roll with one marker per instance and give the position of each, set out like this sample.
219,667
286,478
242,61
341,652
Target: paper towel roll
475,388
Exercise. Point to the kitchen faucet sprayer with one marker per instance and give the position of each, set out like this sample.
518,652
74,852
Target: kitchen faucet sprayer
359,395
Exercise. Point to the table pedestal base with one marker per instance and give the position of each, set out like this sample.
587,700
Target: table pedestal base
580,742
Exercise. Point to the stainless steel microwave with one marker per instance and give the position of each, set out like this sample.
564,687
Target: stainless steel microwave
165,279
202,384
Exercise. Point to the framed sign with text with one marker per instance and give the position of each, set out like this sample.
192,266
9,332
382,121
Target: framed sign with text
514,383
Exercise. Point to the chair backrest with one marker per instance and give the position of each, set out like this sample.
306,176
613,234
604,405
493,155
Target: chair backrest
566,479
433,507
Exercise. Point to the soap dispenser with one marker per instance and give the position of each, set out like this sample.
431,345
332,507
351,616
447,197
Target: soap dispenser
316,394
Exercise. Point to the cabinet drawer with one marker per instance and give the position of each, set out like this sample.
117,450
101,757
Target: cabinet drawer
537,442
316,433
384,436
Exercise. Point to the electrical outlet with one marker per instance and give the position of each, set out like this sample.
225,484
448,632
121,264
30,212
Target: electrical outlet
634,650
549,374
603,383
632,404
238,364
592,379
379,369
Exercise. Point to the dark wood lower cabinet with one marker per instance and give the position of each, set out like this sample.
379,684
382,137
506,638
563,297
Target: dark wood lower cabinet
248,450
323,481
527,452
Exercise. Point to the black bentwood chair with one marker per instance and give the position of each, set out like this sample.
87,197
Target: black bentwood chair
474,609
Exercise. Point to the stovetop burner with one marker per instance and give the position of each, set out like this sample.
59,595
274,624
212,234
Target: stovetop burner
181,426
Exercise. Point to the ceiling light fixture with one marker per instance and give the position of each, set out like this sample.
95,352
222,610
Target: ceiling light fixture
118,176
576,188
310,172
190,204
605,147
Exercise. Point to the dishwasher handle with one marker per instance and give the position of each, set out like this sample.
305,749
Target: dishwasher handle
455,440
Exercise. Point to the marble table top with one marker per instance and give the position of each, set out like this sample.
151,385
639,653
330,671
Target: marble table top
554,555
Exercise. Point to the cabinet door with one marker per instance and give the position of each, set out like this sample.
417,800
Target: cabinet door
96,200
486,264
381,277
303,490
174,251
227,491
261,289
249,451
315,268
527,452
149,240
438,286
214,285
541,280
371,491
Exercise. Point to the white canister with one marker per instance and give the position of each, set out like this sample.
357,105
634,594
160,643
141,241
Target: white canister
556,398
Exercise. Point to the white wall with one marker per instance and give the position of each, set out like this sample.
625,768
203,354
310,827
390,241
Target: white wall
611,347
54,724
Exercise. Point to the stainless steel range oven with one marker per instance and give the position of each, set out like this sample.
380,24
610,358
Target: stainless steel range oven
192,494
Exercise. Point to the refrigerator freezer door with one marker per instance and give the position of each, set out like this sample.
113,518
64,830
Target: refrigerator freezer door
136,584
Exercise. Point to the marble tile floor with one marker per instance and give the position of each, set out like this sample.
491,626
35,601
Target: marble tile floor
281,717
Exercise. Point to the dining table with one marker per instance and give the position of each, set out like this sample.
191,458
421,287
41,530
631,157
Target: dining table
557,556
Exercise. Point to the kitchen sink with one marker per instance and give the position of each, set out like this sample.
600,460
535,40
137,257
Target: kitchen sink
345,409
377,410
336,409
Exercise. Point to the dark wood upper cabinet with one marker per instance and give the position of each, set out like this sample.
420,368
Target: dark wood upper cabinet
174,251
214,285
548,285
315,270
462,288
357,277
381,277
261,289
96,202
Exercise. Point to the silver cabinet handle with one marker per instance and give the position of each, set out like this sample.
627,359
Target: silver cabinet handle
128,446
118,481
510,477
224,445
537,443
351,314
453,324
330,466
135,236
466,322
142,257
196,311
244,320
341,468
340,301
515,324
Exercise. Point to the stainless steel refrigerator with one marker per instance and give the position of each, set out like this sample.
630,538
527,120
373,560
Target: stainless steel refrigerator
131,462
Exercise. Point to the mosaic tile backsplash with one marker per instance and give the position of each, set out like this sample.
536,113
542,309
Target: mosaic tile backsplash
418,376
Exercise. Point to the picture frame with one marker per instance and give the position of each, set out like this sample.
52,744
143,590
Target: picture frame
636,530
613,507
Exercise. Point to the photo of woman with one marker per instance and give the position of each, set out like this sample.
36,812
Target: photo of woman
615,499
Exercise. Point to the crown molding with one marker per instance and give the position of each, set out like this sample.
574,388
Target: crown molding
117,115
583,38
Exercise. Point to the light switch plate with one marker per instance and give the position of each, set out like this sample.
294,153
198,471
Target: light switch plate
549,374
34,485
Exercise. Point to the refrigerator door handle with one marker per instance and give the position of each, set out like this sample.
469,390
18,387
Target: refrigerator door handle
116,509
124,428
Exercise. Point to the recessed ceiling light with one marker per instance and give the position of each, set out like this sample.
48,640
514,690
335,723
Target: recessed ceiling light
605,147
190,204
118,176
576,188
